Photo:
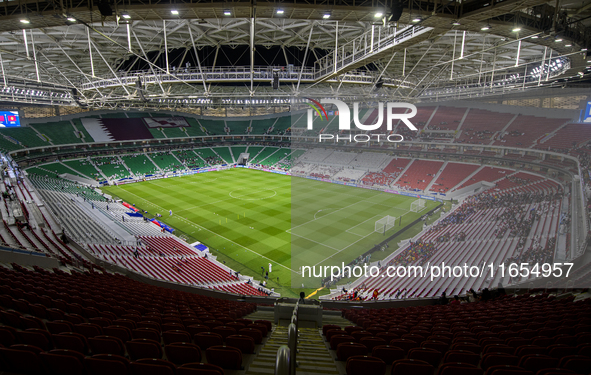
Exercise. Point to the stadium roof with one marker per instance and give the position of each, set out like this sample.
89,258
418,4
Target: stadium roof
196,53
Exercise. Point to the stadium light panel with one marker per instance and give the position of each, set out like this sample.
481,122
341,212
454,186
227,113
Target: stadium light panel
227,12
416,19
516,29
280,11
378,15
71,19
326,16
534,37
558,40
485,28
25,21
126,16
456,23
568,45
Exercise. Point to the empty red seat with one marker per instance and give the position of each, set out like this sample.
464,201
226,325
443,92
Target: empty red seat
152,366
507,370
536,362
88,329
498,348
175,336
349,349
327,327
388,353
59,326
467,346
21,361
244,343
404,344
146,333
411,367
577,363
371,342
106,345
266,323
226,357
143,348
106,364
459,369
496,359
254,333
199,369
36,337
225,331
180,353
332,332
206,339
72,341
260,327
431,356
337,339
462,356
197,328
123,333
63,362
358,335
361,365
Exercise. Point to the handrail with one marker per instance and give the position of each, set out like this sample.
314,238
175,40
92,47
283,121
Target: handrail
282,361
286,362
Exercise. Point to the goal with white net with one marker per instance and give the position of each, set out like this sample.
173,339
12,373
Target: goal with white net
385,223
418,205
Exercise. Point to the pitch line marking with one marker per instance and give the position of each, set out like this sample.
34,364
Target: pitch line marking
210,231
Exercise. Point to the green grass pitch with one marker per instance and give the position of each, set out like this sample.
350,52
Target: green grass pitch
251,218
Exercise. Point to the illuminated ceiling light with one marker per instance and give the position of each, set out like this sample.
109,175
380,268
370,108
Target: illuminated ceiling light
71,19
416,19
558,40
25,21
227,12
456,23
516,29
174,12
378,15
280,11
126,16
326,16
568,45
534,37
485,28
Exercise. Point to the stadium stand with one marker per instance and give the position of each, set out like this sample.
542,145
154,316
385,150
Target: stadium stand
61,132
452,174
418,175
139,164
480,126
524,131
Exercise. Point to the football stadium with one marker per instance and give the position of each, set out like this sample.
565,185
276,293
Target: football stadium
352,187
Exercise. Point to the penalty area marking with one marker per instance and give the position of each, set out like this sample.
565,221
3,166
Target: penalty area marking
233,194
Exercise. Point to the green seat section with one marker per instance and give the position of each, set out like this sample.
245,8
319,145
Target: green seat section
264,154
111,167
59,168
156,133
78,124
276,157
195,129
237,150
238,127
41,181
174,132
84,167
224,153
209,156
166,161
262,126
288,161
213,127
26,136
190,158
281,125
139,164
60,133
